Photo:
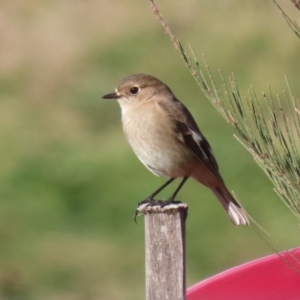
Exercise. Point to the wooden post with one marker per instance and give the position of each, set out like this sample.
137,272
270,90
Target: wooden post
165,251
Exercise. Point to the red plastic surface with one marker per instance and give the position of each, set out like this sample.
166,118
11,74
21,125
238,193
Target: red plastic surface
268,278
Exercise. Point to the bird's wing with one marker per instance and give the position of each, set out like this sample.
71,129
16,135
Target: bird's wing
189,133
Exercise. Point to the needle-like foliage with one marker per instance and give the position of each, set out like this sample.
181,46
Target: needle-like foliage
268,126
292,24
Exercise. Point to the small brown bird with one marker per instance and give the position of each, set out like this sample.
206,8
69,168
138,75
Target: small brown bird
165,137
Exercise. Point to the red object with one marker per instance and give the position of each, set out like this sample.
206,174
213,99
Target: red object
272,277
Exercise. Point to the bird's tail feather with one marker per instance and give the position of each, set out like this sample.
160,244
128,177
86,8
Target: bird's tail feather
236,213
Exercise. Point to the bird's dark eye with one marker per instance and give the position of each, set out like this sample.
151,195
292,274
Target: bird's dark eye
134,90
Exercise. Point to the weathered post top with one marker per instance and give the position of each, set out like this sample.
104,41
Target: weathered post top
165,251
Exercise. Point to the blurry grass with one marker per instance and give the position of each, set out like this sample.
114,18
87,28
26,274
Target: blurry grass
69,183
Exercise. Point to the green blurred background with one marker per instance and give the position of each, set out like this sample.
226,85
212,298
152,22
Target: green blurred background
69,182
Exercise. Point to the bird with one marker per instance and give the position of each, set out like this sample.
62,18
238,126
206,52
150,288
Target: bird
167,140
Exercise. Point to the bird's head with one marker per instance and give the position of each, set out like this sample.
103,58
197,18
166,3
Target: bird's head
139,88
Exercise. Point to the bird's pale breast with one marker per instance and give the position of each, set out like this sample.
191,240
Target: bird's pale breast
153,138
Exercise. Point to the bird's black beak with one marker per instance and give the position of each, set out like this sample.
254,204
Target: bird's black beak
111,96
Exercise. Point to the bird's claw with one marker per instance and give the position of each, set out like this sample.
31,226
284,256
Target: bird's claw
148,202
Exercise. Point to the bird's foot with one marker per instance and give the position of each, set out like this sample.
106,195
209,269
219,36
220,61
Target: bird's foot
152,202
147,202
167,202
171,201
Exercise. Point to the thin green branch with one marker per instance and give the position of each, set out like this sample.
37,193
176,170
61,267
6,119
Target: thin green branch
264,127
292,24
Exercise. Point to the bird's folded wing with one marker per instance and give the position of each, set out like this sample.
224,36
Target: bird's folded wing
189,133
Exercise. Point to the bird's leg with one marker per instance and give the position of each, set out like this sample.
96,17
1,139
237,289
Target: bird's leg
150,199
172,198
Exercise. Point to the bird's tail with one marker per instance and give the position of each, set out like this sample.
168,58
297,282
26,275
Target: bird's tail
235,212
